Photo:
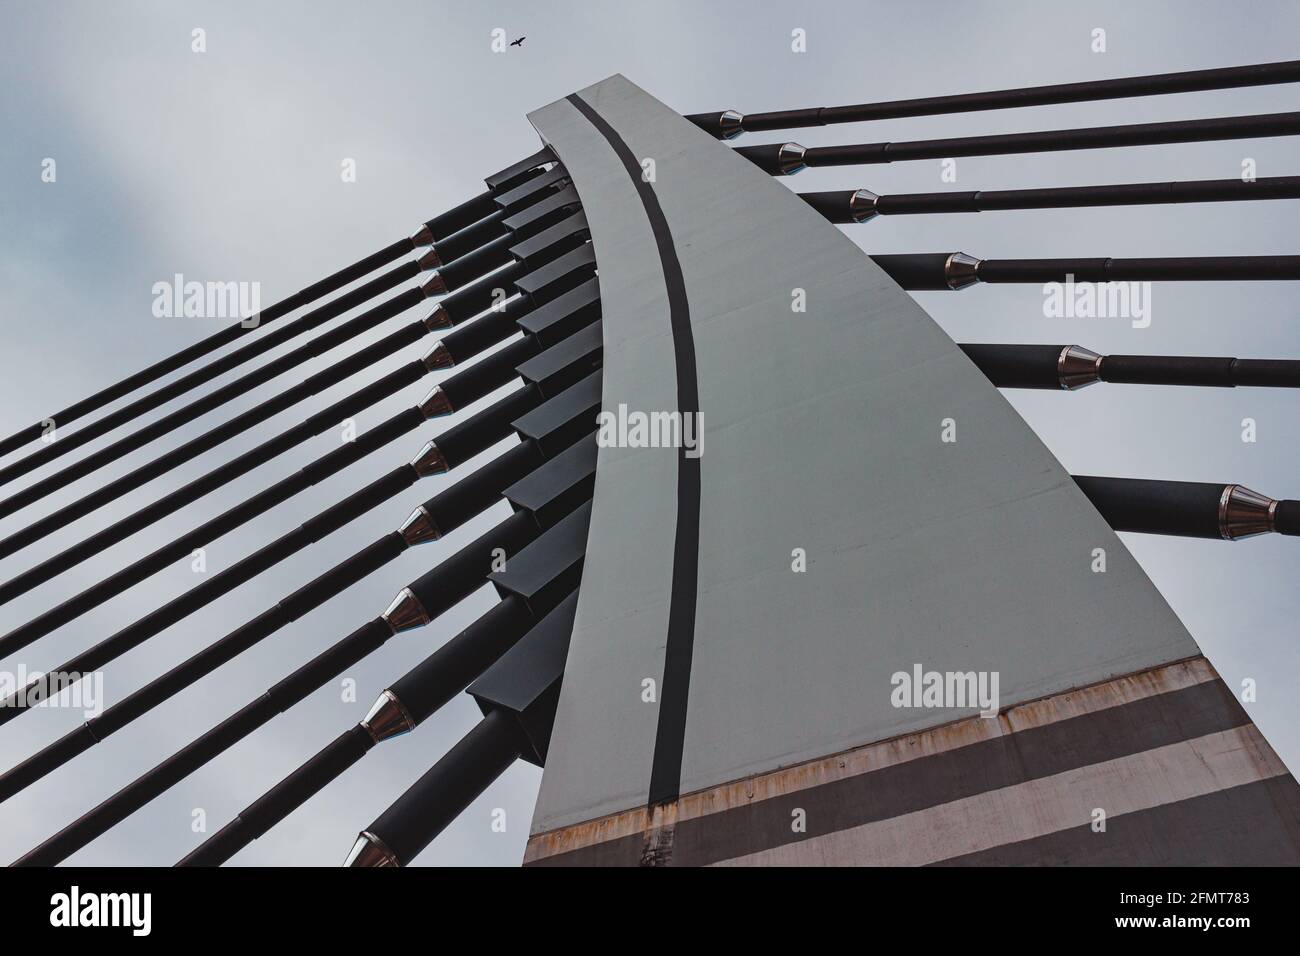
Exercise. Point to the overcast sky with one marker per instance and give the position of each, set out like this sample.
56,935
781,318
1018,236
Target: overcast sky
225,165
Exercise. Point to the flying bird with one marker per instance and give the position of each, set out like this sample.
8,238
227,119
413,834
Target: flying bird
519,42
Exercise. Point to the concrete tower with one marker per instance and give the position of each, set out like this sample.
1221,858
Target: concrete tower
732,690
